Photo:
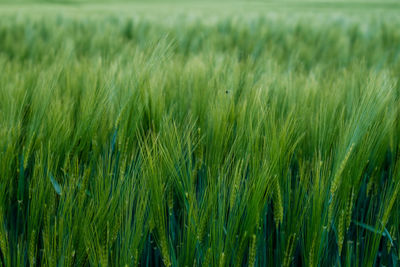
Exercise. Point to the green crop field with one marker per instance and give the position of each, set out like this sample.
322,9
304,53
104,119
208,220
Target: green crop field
188,133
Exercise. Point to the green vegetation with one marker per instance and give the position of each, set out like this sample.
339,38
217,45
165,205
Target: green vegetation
198,139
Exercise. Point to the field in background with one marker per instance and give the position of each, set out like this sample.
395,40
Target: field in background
200,134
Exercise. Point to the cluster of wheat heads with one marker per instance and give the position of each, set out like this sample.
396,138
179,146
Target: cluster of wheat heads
241,142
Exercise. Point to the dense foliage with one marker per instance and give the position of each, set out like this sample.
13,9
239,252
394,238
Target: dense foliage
239,141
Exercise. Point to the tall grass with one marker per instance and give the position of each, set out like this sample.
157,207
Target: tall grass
239,142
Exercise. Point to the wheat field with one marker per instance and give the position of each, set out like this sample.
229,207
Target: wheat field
200,134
